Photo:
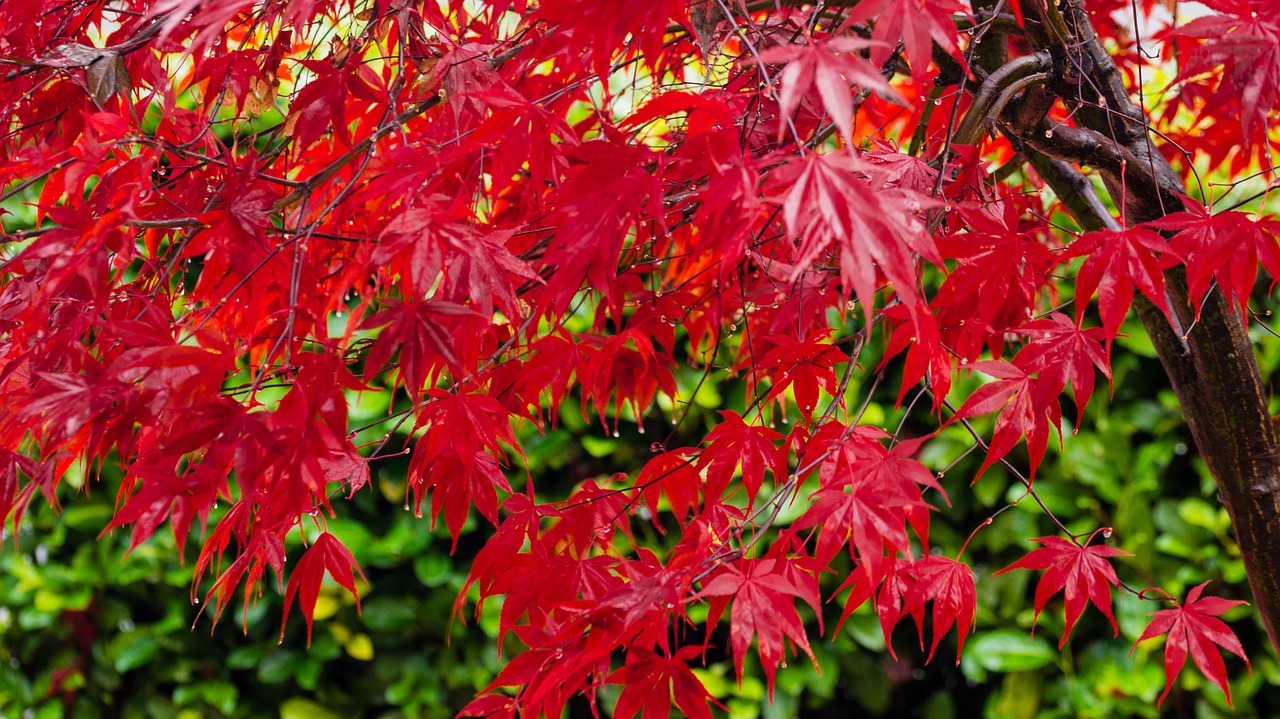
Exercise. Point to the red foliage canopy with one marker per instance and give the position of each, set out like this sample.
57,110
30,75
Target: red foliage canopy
226,219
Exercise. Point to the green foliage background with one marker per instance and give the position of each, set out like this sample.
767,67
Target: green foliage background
86,631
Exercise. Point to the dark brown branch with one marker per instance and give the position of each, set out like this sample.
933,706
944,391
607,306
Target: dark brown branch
1147,194
172,223
989,101
1073,189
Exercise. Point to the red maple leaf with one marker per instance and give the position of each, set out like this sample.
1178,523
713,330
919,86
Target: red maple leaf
829,202
1244,40
892,587
867,497
896,467
830,67
734,443
948,583
804,365
14,496
494,561
599,27
319,106
589,518
674,474
455,482
326,555
1082,573
167,495
916,23
1062,352
233,72
1115,262
1026,410
425,333
1226,247
491,706
763,593
1002,264
458,462
653,682
1194,627
424,242
607,188
627,368
918,334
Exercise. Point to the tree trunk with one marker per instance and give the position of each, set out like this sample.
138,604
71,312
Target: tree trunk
1212,367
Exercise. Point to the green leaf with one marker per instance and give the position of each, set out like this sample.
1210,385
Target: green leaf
279,666
1197,512
1005,651
221,696
1134,337
433,569
599,446
1019,697
89,517
132,650
245,657
388,614
299,708
14,686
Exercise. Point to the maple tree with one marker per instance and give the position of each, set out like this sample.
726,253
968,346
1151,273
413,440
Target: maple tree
231,220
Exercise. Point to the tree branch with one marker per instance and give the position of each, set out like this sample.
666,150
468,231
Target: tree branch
995,93
1073,189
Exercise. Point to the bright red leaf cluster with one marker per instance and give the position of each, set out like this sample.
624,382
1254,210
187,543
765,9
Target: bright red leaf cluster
228,221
